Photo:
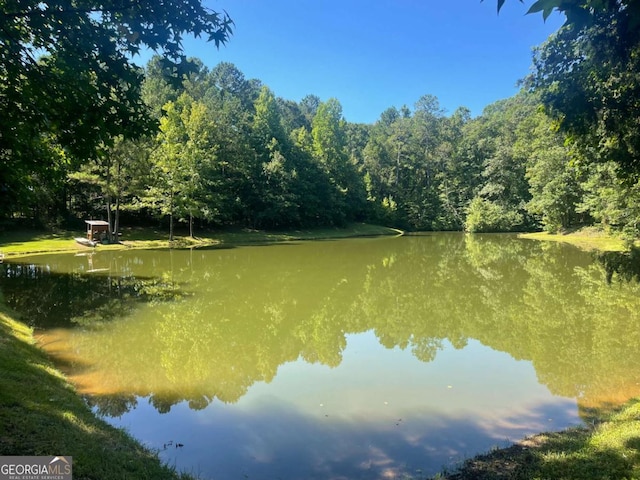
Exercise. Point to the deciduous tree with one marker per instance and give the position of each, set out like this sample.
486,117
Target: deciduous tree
67,81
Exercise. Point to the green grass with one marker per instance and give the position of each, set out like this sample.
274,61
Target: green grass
609,450
27,243
41,414
586,238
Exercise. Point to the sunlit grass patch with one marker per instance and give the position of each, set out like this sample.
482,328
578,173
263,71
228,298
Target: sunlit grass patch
587,239
12,243
621,437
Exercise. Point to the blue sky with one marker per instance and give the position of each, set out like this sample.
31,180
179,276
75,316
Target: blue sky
375,54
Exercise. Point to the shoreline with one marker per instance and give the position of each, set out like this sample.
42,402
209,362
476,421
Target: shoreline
587,239
25,243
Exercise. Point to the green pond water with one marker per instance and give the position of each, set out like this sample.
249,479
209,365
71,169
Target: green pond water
361,358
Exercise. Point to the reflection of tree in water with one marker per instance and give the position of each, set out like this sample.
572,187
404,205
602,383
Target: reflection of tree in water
579,332
112,405
45,298
626,265
545,303
250,313
216,345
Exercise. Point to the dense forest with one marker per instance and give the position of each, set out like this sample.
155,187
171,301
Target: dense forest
207,147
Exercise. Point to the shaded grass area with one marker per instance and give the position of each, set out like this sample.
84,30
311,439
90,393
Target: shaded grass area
24,242
41,414
609,450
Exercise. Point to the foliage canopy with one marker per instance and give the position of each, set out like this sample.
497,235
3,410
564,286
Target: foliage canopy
587,75
67,81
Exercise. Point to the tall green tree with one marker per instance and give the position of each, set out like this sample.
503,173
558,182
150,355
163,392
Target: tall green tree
587,78
267,120
504,191
184,150
115,177
587,74
426,167
276,202
292,115
73,62
329,148
231,82
67,81
162,84
33,179
309,106
414,169
381,168
613,202
553,176
459,175
397,170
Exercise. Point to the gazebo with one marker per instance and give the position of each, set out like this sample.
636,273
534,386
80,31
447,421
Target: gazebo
97,230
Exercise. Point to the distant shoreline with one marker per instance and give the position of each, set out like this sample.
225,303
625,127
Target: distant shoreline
21,243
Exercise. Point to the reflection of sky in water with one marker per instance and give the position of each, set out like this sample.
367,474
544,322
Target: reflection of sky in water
381,412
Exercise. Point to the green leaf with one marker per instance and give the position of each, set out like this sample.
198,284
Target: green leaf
544,6
501,3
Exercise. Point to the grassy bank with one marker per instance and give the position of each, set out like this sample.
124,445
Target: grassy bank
608,450
30,242
586,238
41,414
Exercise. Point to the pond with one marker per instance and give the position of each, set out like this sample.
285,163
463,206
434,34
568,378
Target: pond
361,358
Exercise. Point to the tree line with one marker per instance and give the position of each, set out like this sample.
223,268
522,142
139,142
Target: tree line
207,147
